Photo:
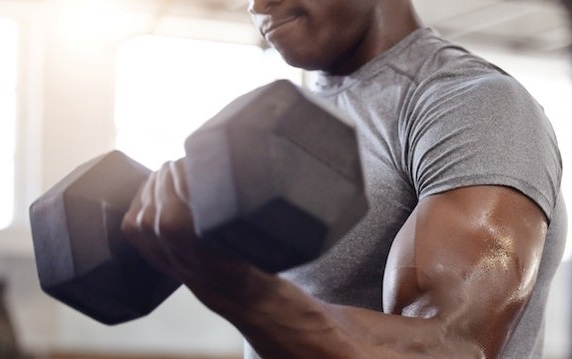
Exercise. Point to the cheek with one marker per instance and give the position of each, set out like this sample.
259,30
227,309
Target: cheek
302,45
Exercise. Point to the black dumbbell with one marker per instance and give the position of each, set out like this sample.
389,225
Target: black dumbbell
275,178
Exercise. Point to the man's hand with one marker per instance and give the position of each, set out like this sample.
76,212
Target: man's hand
159,224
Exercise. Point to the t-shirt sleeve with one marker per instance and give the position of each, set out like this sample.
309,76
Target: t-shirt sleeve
466,130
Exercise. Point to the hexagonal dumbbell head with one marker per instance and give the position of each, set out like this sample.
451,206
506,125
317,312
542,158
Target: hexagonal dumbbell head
275,177
81,255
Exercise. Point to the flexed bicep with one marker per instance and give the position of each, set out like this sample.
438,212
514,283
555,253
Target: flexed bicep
469,259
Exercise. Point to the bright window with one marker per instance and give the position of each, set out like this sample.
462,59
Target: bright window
8,78
167,87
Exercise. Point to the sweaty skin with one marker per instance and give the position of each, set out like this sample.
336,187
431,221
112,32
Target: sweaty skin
460,271
459,274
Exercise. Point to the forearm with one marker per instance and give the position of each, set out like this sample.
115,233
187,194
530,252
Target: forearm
277,318
282,321
288,323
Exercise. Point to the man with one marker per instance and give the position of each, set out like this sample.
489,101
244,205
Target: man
466,226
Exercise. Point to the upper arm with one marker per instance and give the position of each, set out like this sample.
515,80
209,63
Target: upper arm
467,258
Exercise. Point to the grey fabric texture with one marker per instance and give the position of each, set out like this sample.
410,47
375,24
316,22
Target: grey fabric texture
432,117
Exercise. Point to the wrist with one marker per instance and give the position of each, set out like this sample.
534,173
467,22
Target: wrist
226,284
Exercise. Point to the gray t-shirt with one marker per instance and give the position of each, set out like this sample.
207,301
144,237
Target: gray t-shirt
432,117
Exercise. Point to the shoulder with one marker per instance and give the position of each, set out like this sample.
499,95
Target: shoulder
474,93
476,125
470,76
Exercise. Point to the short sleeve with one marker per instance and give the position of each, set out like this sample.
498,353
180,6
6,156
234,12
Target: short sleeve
467,129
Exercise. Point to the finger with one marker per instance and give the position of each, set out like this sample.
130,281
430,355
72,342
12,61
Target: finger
138,226
141,211
129,223
175,225
147,211
174,217
180,180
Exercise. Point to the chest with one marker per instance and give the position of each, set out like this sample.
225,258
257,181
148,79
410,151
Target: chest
351,273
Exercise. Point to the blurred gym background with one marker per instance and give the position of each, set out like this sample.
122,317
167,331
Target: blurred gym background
80,77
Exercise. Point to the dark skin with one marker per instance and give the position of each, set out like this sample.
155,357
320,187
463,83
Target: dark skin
461,269
334,36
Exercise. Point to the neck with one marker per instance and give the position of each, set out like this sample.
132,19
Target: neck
393,21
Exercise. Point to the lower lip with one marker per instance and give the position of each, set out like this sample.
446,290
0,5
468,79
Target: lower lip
280,29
